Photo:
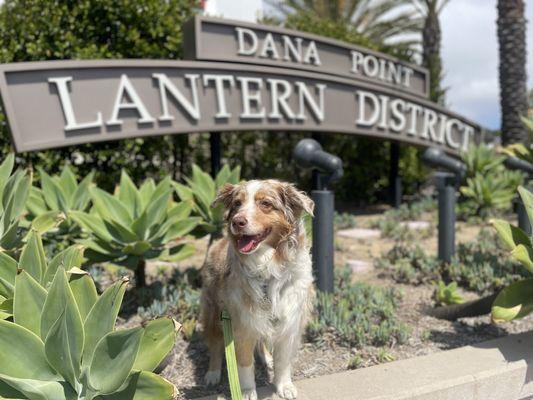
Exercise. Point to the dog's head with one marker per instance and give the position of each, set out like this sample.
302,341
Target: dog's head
267,211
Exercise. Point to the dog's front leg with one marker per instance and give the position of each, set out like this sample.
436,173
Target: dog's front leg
244,349
284,350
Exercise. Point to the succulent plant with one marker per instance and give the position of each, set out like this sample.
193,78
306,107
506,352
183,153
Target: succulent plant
136,224
62,344
61,193
201,190
447,294
14,189
34,262
516,300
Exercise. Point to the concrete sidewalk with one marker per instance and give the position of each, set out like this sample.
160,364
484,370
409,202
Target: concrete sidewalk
495,370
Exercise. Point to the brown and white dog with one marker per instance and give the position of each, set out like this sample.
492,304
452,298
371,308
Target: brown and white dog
261,274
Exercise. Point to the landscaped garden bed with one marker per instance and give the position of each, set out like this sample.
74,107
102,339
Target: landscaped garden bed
394,291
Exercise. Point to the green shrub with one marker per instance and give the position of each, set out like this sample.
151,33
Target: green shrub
357,314
36,30
136,224
201,190
62,344
516,300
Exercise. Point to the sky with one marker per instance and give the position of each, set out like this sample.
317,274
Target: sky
470,57
469,53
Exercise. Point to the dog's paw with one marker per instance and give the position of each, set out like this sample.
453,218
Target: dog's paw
212,377
249,394
287,391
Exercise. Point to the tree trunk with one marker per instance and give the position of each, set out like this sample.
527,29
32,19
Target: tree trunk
472,308
513,79
140,273
431,41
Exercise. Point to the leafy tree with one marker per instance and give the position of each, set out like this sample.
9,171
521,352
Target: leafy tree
377,21
32,30
513,79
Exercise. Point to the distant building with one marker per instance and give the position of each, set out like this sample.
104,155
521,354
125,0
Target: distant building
244,10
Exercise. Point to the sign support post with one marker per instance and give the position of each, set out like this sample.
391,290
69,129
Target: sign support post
214,144
395,180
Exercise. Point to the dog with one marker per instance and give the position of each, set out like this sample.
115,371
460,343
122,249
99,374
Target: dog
261,273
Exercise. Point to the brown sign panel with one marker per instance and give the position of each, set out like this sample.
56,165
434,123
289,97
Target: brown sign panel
60,103
214,39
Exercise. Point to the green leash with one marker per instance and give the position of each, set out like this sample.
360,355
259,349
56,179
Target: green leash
231,360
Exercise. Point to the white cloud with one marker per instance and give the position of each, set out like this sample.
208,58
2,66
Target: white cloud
470,57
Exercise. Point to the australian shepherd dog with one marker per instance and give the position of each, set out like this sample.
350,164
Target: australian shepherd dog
260,272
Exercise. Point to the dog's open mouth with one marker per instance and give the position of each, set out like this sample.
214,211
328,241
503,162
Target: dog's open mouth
248,243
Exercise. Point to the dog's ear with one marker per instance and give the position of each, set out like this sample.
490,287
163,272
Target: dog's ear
296,200
225,195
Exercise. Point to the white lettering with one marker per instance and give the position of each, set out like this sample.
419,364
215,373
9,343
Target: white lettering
165,85
125,88
68,109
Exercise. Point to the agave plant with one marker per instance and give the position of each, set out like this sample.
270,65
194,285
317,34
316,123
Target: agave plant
136,224
14,191
481,160
34,262
516,300
492,192
201,190
61,193
62,344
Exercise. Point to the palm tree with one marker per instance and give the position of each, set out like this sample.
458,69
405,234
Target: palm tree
429,11
381,21
512,41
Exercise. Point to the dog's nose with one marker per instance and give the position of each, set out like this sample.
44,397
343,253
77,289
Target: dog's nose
239,221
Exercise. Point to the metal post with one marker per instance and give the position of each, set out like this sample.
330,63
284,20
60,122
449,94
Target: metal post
323,239
214,144
395,181
446,191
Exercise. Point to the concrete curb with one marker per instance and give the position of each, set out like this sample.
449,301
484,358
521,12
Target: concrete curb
500,369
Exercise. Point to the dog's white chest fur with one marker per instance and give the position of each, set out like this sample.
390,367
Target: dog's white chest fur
266,297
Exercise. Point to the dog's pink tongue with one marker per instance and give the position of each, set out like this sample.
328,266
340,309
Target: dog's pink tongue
246,244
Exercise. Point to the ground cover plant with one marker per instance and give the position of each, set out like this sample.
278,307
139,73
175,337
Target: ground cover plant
357,314
393,222
481,265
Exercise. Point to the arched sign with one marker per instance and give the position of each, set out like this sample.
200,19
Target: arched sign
60,103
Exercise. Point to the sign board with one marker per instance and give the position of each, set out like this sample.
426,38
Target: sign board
60,103
214,39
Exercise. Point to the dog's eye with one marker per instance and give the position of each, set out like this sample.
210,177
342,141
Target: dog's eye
265,203
237,203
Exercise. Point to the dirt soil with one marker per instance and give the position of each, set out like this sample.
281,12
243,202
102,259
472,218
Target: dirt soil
188,361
